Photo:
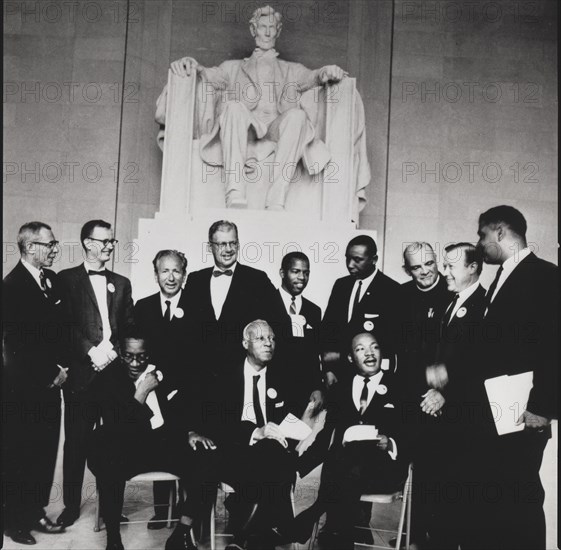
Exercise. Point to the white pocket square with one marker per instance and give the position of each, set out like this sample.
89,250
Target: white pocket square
371,315
389,406
57,302
279,404
171,395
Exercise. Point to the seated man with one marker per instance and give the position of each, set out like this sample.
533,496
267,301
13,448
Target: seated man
242,414
143,430
355,463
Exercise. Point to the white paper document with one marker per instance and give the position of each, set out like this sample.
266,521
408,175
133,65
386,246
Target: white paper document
294,428
508,398
360,432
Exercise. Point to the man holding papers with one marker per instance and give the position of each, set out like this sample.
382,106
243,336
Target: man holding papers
367,453
519,335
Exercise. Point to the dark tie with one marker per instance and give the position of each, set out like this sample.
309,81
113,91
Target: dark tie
43,282
92,272
364,395
217,272
167,314
448,314
492,289
293,306
260,420
356,300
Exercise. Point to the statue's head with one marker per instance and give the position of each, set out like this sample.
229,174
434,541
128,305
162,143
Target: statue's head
265,26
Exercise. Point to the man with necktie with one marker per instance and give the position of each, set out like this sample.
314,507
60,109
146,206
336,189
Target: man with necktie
221,300
520,333
32,376
365,300
297,329
98,308
162,319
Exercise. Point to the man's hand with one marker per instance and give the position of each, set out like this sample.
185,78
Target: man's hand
195,438
330,379
100,359
112,355
383,443
533,421
270,431
331,73
147,384
315,405
185,66
60,378
437,376
432,403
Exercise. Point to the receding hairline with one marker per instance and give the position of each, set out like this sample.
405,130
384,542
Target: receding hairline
415,247
253,325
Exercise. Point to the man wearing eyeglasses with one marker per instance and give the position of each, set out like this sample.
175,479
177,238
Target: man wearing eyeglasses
98,308
31,381
224,298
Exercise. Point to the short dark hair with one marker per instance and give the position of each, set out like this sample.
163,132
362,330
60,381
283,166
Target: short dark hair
507,215
29,230
373,333
132,333
286,262
472,254
221,225
364,240
88,229
174,254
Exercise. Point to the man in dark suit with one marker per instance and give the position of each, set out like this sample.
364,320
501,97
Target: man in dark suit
297,329
223,299
162,320
98,308
366,300
520,333
242,414
444,450
352,466
145,428
31,381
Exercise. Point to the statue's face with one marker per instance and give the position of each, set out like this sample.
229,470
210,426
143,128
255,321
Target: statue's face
265,33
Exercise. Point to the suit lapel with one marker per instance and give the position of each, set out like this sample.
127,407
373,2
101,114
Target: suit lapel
85,279
233,291
110,280
30,282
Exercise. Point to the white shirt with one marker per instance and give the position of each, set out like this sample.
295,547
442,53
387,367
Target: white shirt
173,303
462,297
430,287
365,284
248,411
99,285
298,322
219,287
36,273
358,385
509,266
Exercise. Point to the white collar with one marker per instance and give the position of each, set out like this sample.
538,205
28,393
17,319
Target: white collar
173,301
232,268
36,272
376,378
463,295
430,287
287,299
249,370
367,281
511,263
89,267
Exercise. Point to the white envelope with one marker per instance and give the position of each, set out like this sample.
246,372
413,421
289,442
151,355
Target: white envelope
294,428
360,432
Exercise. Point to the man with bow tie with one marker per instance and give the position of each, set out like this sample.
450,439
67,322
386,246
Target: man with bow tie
374,461
32,376
221,300
98,308
162,318
258,113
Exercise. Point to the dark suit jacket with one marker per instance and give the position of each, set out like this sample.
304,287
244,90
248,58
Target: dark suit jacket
83,318
168,341
521,332
32,331
299,356
384,412
251,296
383,298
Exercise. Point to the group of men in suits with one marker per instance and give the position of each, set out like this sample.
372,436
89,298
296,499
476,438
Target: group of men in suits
257,353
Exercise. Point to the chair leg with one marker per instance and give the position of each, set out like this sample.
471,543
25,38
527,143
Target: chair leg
314,535
97,522
170,506
213,527
409,498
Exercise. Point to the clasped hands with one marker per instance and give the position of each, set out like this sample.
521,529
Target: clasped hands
101,355
270,431
433,400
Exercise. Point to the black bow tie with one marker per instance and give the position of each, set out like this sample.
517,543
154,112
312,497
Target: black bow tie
227,272
92,272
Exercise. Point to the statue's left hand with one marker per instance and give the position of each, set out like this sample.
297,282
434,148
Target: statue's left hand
331,73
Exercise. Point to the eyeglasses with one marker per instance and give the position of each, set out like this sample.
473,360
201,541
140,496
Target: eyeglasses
130,357
105,242
49,245
223,246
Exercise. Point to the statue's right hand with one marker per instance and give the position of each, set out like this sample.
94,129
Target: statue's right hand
185,66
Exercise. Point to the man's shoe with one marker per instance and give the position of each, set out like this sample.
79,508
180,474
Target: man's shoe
67,517
45,525
158,521
181,538
115,543
21,536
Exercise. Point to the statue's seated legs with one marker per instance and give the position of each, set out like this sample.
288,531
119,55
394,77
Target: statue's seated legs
238,127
